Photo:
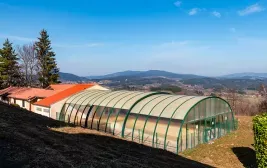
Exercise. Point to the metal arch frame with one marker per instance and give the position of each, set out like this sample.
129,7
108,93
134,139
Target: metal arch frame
100,93
121,109
74,97
105,108
231,111
147,117
90,109
167,129
129,111
60,115
111,110
160,116
112,93
82,96
140,112
95,93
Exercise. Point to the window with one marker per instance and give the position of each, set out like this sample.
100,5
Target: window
23,103
38,109
46,110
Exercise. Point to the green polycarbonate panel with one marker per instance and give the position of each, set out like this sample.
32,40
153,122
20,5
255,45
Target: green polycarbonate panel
181,112
78,103
108,104
169,111
160,107
71,103
112,110
130,103
125,100
163,126
213,106
142,105
151,125
82,106
174,109
119,98
105,98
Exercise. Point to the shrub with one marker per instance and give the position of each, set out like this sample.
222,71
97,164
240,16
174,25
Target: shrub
260,136
15,105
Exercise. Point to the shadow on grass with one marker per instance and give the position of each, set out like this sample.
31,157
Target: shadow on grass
246,156
26,140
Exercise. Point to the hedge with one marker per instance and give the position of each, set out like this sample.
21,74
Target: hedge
260,137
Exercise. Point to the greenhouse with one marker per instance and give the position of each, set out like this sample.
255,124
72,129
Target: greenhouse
158,119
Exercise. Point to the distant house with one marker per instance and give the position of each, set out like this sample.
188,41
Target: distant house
51,106
25,97
7,91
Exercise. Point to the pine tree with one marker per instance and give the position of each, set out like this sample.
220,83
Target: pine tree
9,66
47,66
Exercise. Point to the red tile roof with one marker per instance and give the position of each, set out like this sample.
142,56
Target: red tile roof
60,86
29,93
63,94
9,90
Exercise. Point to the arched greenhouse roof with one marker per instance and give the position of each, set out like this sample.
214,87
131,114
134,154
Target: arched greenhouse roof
145,103
171,122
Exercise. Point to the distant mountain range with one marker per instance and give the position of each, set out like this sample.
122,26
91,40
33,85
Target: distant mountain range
150,73
246,75
186,78
68,77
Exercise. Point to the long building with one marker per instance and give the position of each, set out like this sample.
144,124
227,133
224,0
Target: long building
158,119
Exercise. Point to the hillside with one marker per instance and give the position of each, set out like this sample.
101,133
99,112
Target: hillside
226,83
150,73
246,75
30,140
68,77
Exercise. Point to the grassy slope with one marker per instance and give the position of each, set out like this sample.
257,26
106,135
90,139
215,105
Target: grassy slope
233,150
30,140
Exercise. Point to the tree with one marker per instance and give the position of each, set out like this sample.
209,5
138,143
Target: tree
9,67
47,66
28,59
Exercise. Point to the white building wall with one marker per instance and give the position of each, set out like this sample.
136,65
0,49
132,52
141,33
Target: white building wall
98,87
19,102
45,111
56,108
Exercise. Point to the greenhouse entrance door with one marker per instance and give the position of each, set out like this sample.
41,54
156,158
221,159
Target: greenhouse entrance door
210,130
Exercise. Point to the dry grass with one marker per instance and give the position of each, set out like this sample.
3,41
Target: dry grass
234,150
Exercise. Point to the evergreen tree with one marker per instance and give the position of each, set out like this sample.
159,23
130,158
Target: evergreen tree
47,66
9,66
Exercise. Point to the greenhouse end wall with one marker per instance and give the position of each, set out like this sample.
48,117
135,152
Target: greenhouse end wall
171,122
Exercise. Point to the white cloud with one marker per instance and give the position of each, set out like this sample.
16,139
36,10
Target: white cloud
89,45
193,11
216,14
251,9
178,3
17,38
233,30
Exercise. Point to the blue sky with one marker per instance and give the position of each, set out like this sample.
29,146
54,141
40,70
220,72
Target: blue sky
95,37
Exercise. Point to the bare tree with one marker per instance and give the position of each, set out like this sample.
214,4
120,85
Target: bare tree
27,55
232,98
